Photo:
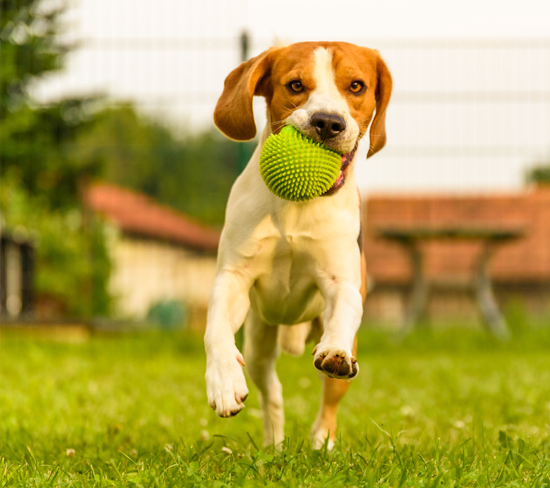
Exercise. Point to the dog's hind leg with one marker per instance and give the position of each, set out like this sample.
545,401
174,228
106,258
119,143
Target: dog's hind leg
292,339
260,353
325,424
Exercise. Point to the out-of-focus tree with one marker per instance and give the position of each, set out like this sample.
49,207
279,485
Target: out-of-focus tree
72,268
35,140
49,152
40,174
192,172
54,148
539,174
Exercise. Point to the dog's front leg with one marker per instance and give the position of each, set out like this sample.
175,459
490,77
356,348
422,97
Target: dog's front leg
344,309
225,383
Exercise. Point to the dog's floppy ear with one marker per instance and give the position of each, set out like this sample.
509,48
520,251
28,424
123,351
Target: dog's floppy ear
233,114
383,94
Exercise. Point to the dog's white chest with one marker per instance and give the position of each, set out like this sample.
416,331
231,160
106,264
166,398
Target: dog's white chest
290,251
286,292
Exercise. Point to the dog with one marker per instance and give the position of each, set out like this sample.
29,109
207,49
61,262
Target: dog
294,271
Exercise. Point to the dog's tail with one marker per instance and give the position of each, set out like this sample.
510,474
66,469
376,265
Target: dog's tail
292,339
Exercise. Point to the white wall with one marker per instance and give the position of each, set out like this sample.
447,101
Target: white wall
147,271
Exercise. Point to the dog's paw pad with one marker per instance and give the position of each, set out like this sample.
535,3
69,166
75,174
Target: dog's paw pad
336,363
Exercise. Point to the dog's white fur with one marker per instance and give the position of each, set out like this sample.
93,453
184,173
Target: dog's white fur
283,262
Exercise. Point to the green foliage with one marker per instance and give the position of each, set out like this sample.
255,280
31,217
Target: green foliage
193,173
448,409
55,148
41,173
29,48
539,174
36,141
50,152
72,263
37,145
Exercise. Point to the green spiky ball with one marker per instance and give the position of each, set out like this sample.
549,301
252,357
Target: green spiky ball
297,168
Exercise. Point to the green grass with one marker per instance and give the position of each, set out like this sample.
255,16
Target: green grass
450,408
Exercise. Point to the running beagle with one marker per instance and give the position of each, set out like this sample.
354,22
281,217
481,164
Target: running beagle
293,272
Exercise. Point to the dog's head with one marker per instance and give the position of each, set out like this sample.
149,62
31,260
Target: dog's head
329,91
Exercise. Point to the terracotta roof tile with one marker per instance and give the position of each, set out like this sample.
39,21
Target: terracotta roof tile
139,214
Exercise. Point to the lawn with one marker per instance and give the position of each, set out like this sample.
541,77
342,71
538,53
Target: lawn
450,408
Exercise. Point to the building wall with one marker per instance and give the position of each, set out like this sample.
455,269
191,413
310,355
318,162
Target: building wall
146,271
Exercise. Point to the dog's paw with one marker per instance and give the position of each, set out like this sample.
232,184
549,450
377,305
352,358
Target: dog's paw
226,385
335,362
321,438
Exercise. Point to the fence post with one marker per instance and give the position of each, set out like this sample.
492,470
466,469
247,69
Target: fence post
243,156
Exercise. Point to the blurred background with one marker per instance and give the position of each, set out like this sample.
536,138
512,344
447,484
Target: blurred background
114,180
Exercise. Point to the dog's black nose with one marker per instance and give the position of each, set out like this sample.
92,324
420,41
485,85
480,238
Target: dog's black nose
328,125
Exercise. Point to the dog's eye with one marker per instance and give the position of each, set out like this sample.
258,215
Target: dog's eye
356,87
296,86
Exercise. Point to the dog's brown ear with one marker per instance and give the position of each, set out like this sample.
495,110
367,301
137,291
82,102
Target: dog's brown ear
233,114
383,94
